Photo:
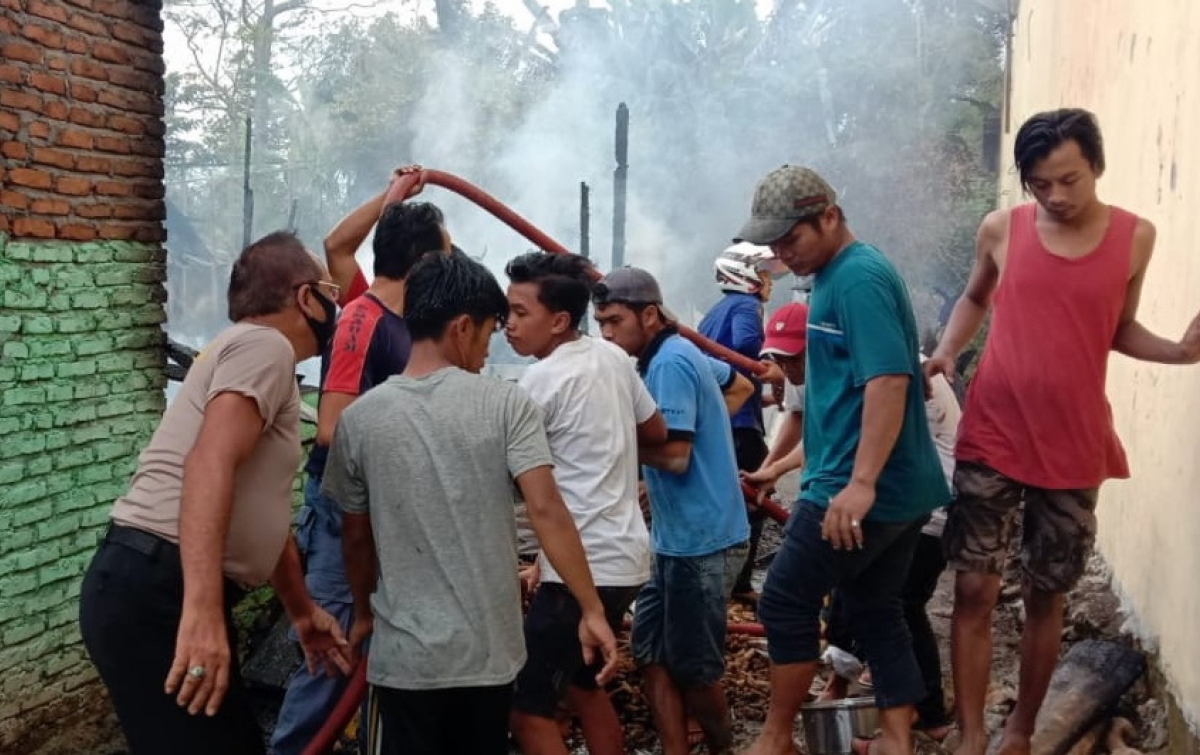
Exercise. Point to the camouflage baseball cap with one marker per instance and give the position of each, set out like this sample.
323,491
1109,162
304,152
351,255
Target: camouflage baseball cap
785,197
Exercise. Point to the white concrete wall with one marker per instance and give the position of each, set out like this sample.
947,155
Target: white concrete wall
1136,64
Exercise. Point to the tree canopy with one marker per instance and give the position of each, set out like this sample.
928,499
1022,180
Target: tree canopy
896,101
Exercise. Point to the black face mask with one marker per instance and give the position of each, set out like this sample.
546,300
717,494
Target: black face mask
323,331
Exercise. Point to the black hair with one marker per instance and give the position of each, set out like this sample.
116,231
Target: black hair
267,273
1045,132
405,232
564,281
815,220
444,286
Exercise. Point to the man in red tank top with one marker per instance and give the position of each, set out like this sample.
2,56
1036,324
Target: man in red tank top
1062,277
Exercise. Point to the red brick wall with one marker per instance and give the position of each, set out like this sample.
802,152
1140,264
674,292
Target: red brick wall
81,119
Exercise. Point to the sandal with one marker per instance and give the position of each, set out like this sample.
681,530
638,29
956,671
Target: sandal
936,733
864,746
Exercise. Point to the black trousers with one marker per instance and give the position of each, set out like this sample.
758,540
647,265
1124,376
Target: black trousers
927,566
463,720
750,449
129,612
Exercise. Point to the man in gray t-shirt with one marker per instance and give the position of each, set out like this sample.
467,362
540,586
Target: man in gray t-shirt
423,467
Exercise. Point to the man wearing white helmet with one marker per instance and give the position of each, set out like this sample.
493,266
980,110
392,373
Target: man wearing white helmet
744,272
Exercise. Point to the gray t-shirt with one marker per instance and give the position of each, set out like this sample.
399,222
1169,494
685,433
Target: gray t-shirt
432,461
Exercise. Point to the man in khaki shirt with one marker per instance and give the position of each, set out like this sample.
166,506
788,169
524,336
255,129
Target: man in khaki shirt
207,516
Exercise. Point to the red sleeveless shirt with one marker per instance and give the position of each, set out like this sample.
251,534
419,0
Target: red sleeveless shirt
1036,411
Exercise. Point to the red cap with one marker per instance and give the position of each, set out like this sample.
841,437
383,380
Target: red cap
787,330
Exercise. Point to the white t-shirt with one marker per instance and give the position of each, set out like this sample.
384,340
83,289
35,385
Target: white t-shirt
793,397
593,400
943,413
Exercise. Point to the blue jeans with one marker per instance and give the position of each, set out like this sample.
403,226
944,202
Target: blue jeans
870,581
679,618
310,698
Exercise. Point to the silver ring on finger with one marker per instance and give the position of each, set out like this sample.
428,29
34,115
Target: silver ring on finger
855,523
197,672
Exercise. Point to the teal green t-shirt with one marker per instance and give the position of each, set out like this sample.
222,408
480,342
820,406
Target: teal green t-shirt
861,326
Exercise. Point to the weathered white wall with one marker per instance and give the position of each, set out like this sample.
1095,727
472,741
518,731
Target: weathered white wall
1136,64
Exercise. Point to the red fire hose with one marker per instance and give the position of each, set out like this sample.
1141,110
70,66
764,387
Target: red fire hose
400,190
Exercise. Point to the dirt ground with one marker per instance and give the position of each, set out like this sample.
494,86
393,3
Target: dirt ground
1092,613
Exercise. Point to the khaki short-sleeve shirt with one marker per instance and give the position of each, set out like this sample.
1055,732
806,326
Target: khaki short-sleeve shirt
257,362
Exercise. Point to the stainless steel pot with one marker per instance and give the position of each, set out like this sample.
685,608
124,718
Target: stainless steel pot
831,726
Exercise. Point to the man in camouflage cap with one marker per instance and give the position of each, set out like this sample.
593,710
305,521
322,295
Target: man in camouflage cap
872,474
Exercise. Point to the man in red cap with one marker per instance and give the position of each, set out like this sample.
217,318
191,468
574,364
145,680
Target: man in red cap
784,344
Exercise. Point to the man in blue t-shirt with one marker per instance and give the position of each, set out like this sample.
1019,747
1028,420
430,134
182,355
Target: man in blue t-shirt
371,343
744,273
872,474
699,527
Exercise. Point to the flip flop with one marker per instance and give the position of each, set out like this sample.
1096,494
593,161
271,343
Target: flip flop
936,733
864,746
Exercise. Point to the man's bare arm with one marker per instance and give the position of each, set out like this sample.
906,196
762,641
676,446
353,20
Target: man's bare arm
652,432
344,239
882,419
1132,338
883,415
362,570
786,454
737,392
228,434
672,456
320,635
329,411
564,550
787,439
969,311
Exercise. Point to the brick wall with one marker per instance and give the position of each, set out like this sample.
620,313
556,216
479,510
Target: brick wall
81,303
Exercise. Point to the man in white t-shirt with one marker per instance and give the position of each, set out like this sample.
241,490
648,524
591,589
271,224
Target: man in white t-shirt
786,337
597,410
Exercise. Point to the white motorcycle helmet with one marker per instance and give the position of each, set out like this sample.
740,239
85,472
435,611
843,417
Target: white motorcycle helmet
739,266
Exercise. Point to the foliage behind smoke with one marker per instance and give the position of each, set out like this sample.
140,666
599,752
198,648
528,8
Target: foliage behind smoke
889,98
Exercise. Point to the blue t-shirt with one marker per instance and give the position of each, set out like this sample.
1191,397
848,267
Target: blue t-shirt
736,322
861,326
702,510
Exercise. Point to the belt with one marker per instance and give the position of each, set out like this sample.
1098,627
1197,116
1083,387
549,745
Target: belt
141,541
152,546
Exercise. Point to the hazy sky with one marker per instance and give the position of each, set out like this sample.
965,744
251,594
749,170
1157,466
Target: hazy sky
176,54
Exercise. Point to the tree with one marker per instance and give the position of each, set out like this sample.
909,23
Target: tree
891,98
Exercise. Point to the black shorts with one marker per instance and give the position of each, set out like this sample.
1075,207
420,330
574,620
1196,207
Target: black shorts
439,721
555,657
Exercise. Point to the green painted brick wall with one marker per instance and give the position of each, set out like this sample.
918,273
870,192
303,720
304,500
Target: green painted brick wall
81,390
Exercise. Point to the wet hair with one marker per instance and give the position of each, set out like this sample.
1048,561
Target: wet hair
267,274
442,287
564,281
1045,132
405,232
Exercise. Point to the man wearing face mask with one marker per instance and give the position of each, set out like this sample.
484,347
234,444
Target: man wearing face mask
206,517
371,343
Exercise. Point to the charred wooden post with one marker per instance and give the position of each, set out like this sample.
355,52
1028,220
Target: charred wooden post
585,232
247,192
620,176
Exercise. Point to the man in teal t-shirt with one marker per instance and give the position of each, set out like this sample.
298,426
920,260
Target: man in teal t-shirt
872,475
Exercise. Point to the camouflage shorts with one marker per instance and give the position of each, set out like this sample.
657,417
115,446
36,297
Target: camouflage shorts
1058,527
